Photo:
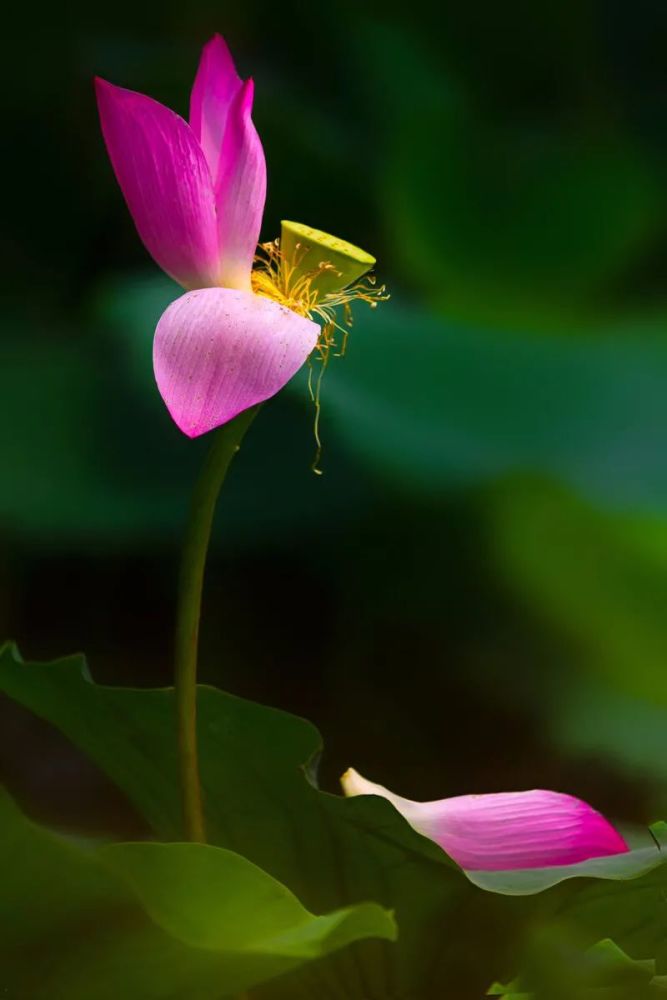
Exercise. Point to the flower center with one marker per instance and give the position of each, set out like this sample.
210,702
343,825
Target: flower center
283,278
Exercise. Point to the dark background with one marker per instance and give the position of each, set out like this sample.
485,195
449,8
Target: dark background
472,596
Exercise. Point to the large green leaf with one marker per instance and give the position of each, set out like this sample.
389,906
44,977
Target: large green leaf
603,972
559,963
261,801
209,897
151,921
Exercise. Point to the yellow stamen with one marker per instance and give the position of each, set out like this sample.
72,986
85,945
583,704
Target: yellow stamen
285,282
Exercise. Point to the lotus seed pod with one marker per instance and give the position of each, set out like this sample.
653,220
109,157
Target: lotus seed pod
309,250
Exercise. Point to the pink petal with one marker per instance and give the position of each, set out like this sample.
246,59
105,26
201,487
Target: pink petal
240,192
218,351
507,830
166,182
216,85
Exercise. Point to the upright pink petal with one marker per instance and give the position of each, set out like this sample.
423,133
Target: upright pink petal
166,182
240,191
218,351
216,85
506,830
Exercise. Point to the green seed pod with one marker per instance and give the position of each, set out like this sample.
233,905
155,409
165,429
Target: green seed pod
308,251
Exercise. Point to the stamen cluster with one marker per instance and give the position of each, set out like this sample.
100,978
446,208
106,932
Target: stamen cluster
286,282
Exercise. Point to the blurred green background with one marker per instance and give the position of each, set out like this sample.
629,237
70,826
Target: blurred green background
472,597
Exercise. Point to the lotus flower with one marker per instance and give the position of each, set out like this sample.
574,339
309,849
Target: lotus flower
505,830
196,193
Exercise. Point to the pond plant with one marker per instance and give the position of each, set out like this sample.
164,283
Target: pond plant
254,882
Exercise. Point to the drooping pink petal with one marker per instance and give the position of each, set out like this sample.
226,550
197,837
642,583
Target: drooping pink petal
240,191
166,182
218,351
505,830
216,85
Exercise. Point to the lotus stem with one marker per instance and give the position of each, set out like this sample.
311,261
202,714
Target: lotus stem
226,442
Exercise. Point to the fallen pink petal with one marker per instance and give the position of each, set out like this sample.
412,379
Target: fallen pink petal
505,830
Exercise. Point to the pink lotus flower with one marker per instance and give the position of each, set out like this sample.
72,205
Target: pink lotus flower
506,830
196,193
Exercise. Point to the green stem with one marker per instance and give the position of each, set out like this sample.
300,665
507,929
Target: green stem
226,443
